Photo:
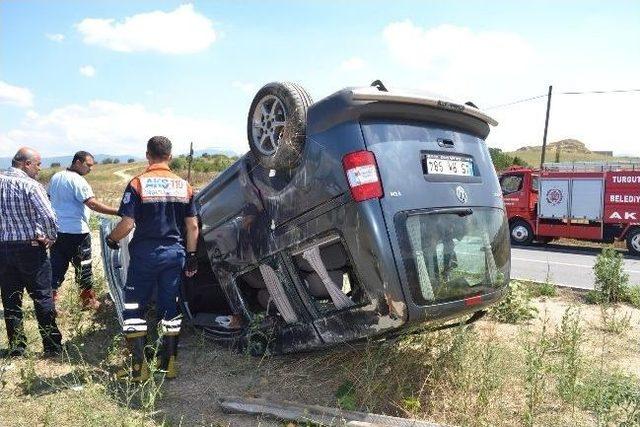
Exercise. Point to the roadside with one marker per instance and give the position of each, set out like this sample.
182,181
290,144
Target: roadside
563,265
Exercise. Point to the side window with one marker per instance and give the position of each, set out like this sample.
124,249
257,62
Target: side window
328,275
511,183
535,183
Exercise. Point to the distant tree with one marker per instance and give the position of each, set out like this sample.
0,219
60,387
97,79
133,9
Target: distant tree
107,161
179,163
55,164
503,160
205,155
116,160
130,160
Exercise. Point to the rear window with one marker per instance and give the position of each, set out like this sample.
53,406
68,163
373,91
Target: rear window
456,253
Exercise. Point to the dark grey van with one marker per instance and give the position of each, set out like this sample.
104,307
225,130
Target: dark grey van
358,215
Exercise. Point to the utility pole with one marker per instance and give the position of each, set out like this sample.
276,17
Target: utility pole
190,160
546,127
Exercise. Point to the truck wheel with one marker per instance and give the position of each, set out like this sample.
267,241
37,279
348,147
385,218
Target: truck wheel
633,241
276,125
521,232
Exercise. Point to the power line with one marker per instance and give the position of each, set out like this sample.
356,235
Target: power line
587,92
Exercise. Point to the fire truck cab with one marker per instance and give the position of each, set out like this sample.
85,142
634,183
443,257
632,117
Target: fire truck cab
585,201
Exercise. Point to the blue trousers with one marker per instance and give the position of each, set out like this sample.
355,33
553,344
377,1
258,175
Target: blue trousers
152,267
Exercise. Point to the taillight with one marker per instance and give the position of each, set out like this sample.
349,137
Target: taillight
362,174
473,300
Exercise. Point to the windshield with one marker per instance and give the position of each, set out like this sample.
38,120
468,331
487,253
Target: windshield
511,183
458,253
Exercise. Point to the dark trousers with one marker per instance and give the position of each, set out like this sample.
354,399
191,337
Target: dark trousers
74,249
25,266
152,267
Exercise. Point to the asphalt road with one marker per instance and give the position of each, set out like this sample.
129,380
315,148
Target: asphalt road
568,266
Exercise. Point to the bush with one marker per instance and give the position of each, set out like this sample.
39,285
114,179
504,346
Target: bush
516,306
55,164
546,289
633,296
130,160
116,161
611,281
107,161
502,160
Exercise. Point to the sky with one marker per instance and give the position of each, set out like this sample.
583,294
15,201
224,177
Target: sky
104,76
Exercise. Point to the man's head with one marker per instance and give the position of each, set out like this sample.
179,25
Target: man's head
28,160
82,162
159,149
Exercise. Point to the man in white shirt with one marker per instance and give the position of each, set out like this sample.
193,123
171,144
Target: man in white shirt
72,199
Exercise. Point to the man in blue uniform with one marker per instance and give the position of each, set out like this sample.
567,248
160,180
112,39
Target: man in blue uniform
160,205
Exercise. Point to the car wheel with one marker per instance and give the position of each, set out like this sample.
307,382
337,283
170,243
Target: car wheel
521,232
276,125
633,241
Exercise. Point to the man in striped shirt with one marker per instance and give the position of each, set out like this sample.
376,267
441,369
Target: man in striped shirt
27,230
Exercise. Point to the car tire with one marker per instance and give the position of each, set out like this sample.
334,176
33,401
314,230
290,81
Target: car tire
521,232
276,125
633,241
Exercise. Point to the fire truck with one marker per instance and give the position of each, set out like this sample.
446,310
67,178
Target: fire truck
586,201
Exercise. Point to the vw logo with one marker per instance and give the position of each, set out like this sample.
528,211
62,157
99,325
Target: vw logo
461,194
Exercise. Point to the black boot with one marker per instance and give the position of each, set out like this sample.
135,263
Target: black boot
169,354
139,369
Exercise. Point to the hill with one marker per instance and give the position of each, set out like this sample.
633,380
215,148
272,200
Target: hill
5,162
568,150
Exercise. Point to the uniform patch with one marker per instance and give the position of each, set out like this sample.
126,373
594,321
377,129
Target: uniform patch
164,189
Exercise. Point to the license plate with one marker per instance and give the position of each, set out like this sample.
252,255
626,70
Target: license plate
448,165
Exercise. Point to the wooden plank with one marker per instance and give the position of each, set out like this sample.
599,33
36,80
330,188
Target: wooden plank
322,415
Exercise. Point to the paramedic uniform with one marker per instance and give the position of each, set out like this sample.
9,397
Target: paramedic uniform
159,201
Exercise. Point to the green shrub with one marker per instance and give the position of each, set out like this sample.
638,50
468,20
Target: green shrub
516,306
593,297
613,397
546,289
614,321
611,280
633,296
568,338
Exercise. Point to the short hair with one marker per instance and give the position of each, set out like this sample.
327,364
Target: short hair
159,147
82,156
20,157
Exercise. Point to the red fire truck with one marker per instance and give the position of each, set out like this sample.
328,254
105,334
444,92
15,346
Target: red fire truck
587,201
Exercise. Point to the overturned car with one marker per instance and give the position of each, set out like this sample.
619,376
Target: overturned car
358,215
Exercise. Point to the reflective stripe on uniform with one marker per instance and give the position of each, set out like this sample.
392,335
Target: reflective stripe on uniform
131,306
134,325
171,326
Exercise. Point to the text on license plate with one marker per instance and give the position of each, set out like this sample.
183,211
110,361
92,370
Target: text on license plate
440,165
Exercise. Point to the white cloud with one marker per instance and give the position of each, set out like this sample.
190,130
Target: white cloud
600,121
457,60
87,71
181,31
58,38
114,128
244,87
353,64
15,95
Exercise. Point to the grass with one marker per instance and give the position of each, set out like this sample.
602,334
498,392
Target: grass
551,369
